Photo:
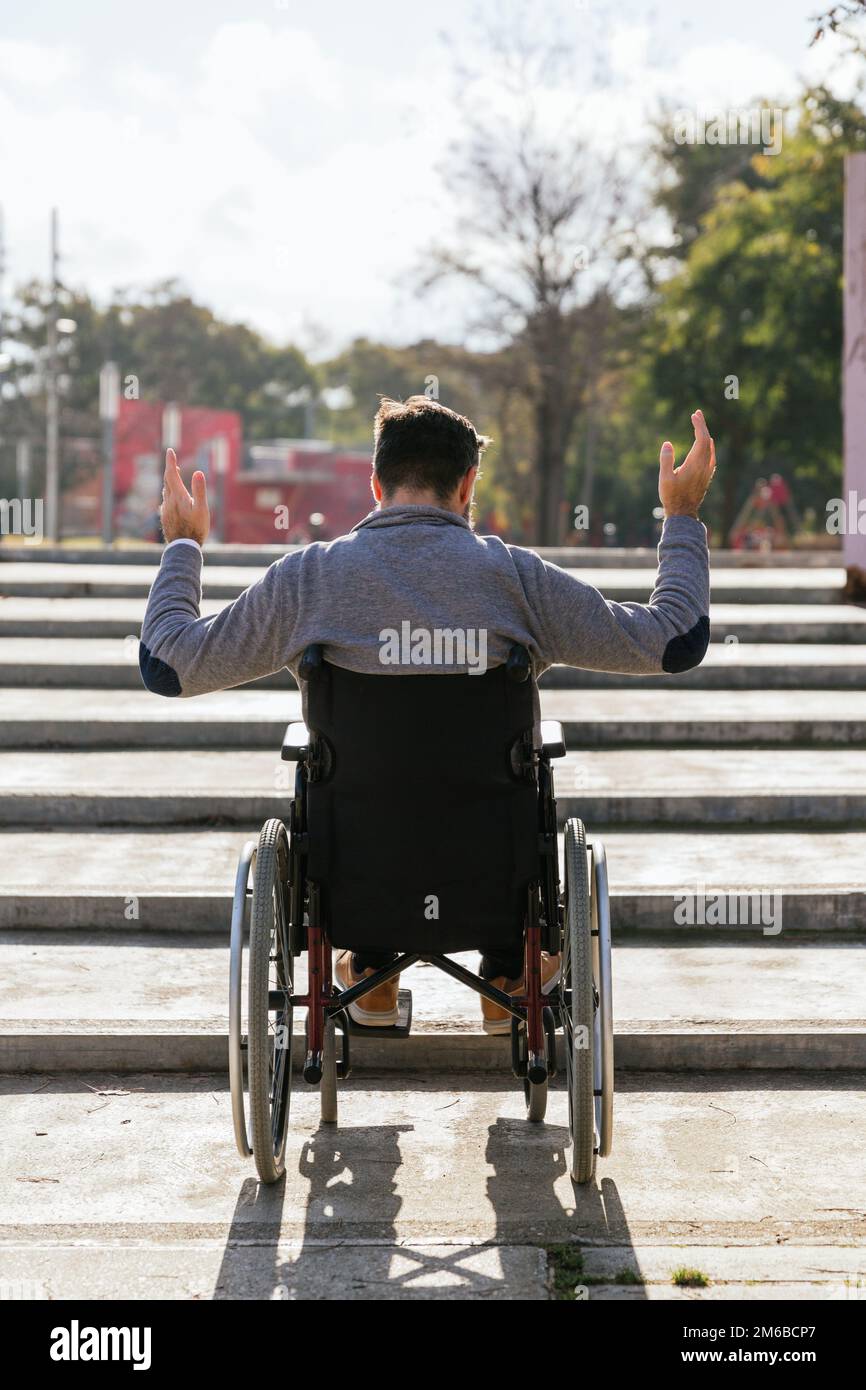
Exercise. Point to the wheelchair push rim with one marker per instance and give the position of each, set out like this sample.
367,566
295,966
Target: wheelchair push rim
603,1063
237,1038
578,1004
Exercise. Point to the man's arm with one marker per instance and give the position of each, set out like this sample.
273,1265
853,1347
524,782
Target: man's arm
182,653
579,627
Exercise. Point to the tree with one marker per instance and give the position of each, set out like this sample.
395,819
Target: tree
540,238
167,346
750,328
837,20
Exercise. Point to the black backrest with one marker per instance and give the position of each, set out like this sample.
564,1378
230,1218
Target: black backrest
423,829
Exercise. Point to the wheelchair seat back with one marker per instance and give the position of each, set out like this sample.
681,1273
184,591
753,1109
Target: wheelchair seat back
422,808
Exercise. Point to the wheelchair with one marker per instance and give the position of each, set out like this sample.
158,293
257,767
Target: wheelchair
423,822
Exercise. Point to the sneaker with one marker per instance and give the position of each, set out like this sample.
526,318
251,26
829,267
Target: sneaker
378,1009
496,1020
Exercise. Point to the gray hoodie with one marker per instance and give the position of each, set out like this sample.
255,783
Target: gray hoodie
380,598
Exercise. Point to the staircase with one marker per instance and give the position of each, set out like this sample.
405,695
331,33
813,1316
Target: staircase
732,801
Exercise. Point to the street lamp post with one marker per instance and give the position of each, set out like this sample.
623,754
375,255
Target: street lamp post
171,420
171,427
220,456
109,406
22,468
52,402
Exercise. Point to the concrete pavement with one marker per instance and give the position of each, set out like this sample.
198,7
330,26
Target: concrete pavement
131,1185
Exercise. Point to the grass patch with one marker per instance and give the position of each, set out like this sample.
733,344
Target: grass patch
565,1264
689,1278
565,1269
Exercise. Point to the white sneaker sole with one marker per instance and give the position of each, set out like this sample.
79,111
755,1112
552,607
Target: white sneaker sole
369,1018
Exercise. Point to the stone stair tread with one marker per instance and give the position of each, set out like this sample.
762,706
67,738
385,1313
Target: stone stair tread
830,577
129,551
802,584
185,862
114,651
642,772
127,978
112,663
90,608
632,704
86,718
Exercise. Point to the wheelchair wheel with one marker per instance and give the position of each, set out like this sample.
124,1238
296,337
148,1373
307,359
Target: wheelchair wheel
237,1040
327,1087
328,1083
578,1006
602,974
534,1092
269,1049
536,1100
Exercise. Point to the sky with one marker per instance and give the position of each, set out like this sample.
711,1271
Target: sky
284,160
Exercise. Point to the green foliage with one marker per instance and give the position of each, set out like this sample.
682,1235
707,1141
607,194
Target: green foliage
758,298
565,1271
176,349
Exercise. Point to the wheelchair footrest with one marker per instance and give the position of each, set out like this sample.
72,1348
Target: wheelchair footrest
400,1029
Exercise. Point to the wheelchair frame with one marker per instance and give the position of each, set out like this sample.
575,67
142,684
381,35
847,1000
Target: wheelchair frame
534,1015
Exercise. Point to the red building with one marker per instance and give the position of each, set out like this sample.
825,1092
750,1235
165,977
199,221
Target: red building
266,493
296,490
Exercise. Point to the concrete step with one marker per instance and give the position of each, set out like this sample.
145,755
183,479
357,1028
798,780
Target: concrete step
739,666
786,622
82,718
614,557
154,880
122,617
140,1002
112,664
799,586
427,1191
644,787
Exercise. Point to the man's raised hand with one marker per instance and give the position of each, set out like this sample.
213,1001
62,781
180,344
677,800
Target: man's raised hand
683,489
183,517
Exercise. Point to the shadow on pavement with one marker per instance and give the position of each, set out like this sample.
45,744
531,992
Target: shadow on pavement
351,1248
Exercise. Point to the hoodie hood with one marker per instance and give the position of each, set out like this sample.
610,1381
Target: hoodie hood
412,514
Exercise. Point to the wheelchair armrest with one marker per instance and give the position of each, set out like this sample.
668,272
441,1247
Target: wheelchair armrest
552,738
296,741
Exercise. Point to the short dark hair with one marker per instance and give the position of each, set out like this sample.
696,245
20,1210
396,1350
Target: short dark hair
422,445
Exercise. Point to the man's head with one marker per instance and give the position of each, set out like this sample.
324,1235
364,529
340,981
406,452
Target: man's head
424,452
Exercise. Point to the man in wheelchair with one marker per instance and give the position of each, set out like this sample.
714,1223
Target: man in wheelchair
413,594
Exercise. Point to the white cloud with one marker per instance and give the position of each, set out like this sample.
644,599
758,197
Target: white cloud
34,64
247,62
628,48
284,178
